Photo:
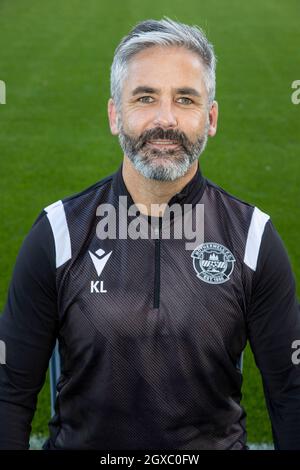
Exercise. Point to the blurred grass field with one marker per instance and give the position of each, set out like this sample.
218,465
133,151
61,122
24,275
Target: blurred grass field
54,137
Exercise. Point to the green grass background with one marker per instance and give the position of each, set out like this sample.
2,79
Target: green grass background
54,137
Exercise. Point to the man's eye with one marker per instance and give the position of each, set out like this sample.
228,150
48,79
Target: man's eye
185,100
145,99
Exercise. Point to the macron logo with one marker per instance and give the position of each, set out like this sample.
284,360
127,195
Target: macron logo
99,260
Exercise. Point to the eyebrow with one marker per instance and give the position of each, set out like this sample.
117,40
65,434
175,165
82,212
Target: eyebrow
179,91
187,91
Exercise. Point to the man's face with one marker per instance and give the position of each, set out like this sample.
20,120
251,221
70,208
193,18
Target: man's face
164,120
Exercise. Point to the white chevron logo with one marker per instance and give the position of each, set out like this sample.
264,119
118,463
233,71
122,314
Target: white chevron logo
99,260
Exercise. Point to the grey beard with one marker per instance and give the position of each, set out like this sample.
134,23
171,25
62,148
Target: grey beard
145,160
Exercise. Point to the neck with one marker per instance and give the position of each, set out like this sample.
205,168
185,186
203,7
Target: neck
145,191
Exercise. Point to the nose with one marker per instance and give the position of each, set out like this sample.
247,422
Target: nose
165,116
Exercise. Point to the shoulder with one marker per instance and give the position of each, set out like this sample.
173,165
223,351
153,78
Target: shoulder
75,199
69,216
221,194
253,218
96,188
249,222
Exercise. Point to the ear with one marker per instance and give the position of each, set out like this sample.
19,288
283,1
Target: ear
213,118
112,117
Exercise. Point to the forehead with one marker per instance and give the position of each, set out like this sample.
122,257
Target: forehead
165,67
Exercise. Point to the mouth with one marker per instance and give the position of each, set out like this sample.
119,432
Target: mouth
159,144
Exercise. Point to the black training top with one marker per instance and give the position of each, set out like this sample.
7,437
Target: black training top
150,332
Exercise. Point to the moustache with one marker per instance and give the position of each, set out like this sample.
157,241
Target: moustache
162,134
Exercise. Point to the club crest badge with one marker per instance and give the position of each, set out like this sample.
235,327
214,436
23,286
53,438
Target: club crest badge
213,262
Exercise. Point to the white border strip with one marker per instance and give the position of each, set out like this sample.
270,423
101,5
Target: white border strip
57,218
37,441
255,232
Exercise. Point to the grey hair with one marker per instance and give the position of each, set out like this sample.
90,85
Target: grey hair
165,32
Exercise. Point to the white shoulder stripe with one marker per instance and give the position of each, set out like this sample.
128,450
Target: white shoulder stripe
57,218
255,233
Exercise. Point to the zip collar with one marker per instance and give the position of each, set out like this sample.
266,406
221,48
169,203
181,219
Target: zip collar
191,193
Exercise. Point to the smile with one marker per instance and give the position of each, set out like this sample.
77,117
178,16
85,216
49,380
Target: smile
163,143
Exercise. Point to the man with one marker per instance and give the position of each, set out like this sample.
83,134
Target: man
151,333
